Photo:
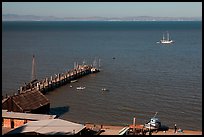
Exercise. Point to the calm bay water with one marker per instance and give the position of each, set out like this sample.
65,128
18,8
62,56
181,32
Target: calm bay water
144,78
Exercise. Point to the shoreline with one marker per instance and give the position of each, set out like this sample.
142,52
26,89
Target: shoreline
114,130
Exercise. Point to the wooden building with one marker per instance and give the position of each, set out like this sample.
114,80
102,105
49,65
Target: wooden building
49,127
28,102
16,119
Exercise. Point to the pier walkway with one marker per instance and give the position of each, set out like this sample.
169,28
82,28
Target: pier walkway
58,80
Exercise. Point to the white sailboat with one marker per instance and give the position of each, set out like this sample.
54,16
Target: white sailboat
95,69
166,41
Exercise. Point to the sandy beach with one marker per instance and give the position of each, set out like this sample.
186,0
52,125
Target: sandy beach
114,130
171,132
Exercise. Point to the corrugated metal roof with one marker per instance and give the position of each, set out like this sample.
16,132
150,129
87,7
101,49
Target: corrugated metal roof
50,127
27,116
30,100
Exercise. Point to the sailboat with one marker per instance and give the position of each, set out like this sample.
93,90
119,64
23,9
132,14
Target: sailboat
166,41
95,69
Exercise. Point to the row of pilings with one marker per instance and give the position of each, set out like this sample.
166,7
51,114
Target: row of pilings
49,84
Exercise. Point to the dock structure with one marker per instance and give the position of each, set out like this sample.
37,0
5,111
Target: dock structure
48,84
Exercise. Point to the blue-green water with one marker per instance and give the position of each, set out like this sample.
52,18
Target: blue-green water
144,78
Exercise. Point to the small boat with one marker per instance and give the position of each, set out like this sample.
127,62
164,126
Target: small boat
153,124
80,88
94,70
104,89
72,81
70,86
166,41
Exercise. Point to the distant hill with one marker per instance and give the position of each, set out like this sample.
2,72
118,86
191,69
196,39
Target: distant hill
15,17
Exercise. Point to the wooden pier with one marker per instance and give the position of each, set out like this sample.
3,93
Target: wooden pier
58,80
53,82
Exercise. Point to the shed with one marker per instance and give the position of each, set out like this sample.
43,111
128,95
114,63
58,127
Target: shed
30,102
16,119
49,127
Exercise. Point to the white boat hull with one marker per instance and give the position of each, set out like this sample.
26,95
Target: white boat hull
166,42
80,88
152,126
154,123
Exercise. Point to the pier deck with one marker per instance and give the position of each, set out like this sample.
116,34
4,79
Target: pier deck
48,84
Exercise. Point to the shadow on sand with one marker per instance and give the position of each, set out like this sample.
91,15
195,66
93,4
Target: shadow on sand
163,128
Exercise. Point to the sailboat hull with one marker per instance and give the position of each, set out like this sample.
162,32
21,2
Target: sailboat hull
166,42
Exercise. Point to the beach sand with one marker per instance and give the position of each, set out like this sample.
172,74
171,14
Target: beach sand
114,130
171,132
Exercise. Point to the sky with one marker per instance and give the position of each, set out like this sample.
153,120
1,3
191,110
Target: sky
104,9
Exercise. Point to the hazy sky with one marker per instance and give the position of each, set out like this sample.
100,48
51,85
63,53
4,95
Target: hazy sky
104,9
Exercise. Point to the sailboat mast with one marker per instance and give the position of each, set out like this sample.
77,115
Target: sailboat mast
163,36
167,36
99,63
155,114
33,75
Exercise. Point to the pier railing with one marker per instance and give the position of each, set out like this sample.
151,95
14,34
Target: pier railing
48,84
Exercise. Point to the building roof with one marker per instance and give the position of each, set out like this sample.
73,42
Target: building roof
27,116
29,100
49,127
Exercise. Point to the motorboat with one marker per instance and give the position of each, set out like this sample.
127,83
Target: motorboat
104,89
154,123
72,81
80,88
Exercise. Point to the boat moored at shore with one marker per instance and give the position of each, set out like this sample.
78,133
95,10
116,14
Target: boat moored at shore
154,123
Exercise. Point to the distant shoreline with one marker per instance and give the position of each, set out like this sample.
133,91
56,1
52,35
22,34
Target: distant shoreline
101,21
16,17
